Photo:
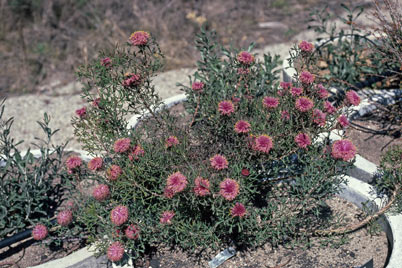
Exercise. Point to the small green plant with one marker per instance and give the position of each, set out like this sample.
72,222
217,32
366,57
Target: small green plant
31,187
248,161
349,56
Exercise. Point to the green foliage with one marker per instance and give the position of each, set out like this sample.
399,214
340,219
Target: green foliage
31,187
283,190
348,53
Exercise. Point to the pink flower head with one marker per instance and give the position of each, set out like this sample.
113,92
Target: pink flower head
243,71
242,126
322,92
198,86
64,217
238,210
219,162
319,117
343,149
107,62
306,46
229,189
226,107
101,192
73,162
201,186
132,232
263,143
343,120
115,252
39,232
285,85
167,217
306,77
114,172
177,182
329,108
236,99
245,58
168,192
81,112
139,38
285,115
302,140
95,163
121,145
303,104
296,91
270,102
95,102
131,80
352,98
136,152
119,215
245,172
171,141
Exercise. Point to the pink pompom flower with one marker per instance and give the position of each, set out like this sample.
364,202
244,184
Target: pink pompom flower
329,108
343,149
296,91
198,86
305,46
319,117
242,126
114,172
139,38
245,57
219,162
132,232
303,104
285,115
343,120
119,215
136,153
285,85
171,141
201,186
64,217
270,102
263,143
81,112
101,192
226,107
306,78
238,210
95,102
122,145
131,80
352,98
229,189
73,163
115,252
167,217
107,62
39,232
322,92
95,163
302,140
177,182
245,172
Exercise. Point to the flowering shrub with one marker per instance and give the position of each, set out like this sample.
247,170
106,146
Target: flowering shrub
242,161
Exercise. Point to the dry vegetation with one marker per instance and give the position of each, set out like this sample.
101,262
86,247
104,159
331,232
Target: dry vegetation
41,40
